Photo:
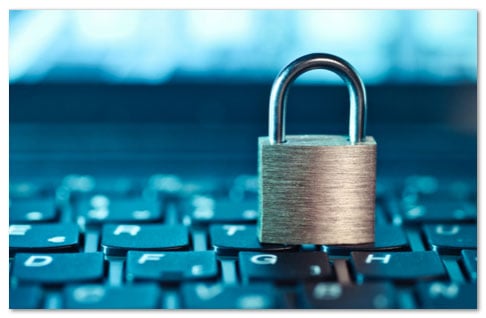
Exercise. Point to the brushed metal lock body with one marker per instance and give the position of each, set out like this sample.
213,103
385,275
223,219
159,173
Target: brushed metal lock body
317,189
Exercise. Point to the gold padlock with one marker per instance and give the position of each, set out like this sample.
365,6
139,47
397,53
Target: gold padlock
317,189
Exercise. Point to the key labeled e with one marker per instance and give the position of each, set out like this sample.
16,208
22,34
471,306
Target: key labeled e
264,259
38,261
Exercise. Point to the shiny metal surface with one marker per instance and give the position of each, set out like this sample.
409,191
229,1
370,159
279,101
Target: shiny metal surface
278,94
317,190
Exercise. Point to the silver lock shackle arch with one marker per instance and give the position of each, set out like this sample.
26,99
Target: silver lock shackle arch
278,94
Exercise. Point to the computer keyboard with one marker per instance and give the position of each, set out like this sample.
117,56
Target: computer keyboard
165,241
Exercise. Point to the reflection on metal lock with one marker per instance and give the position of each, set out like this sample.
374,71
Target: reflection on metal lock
317,189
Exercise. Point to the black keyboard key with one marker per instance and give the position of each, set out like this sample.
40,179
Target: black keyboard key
387,238
205,210
32,211
117,240
220,296
284,267
171,266
444,295
336,296
58,268
438,212
140,296
230,239
451,238
470,261
25,297
47,238
398,266
102,209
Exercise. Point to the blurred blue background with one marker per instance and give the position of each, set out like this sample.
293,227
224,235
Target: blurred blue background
156,46
188,89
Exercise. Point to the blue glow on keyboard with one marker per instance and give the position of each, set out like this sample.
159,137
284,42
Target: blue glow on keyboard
156,46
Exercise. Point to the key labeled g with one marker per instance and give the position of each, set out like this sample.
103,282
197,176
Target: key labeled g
264,259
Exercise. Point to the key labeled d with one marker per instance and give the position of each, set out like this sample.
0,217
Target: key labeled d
38,261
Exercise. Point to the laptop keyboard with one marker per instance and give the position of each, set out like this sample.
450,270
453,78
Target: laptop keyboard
167,242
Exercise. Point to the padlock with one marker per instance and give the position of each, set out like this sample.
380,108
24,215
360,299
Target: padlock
317,189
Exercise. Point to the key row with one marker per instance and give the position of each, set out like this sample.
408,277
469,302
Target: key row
100,209
226,239
421,188
78,185
179,266
418,198
320,295
203,210
413,188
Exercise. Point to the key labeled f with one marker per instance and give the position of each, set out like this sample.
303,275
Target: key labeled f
150,257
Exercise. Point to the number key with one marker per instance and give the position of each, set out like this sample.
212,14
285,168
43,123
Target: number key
205,209
33,211
101,209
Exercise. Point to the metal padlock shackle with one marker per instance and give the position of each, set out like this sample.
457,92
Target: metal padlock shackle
278,95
